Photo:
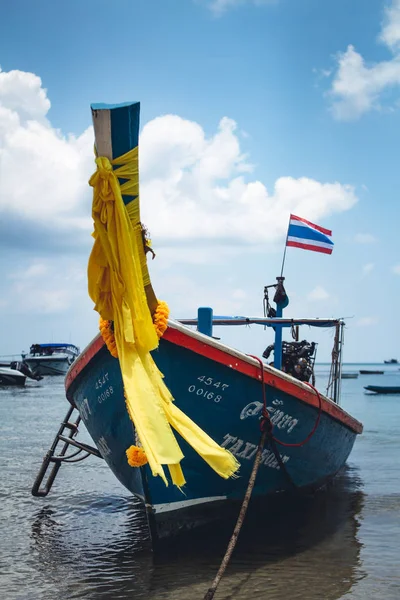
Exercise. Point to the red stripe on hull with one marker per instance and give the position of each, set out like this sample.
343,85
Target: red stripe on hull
176,337
200,347
309,247
82,361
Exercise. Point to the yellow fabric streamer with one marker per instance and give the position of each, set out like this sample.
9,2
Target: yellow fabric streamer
117,275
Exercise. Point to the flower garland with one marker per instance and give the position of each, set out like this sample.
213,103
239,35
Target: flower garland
160,320
135,455
107,334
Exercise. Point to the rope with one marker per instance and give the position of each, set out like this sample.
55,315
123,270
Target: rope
314,429
267,417
232,542
266,427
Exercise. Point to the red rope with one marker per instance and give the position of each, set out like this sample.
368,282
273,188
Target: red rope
267,418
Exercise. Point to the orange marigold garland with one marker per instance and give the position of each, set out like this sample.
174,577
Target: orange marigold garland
136,456
108,336
160,318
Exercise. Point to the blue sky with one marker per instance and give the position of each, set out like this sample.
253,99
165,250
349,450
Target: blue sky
250,110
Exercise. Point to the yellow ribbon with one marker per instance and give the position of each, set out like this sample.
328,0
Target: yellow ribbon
117,275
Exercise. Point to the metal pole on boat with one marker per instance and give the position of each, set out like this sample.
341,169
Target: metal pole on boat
281,300
205,320
284,252
278,341
340,361
335,378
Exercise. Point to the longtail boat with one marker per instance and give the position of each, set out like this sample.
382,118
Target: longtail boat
221,396
383,389
367,372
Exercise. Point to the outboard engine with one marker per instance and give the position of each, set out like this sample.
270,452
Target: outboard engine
297,358
22,367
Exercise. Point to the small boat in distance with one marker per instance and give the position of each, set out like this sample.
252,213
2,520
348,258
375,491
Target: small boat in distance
50,359
349,375
383,389
9,376
15,373
391,361
366,372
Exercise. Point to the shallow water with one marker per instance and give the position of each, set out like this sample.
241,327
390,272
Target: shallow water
88,539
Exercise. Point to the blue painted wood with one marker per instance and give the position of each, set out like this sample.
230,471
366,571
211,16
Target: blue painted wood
105,106
280,305
125,119
205,320
278,341
225,403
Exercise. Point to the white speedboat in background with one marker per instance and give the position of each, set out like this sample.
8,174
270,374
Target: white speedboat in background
50,359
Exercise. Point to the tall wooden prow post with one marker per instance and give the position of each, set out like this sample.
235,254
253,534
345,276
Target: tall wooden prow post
116,132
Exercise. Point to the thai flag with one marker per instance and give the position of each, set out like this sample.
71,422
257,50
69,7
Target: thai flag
306,235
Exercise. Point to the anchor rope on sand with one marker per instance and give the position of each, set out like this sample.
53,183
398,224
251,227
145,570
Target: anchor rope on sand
266,427
234,537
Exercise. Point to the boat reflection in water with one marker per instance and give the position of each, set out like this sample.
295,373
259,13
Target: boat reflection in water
308,548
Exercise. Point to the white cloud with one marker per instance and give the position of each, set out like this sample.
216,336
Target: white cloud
396,269
318,293
357,87
390,34
199,200
364,238
366,321
194,188
43,174
239,294
224,299
50,286
218,7
22,93
368,268
36,269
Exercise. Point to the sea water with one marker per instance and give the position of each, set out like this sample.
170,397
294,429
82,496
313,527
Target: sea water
89,540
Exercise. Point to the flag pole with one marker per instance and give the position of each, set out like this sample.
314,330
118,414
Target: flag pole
284,253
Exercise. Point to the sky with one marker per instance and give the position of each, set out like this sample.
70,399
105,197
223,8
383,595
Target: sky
250,110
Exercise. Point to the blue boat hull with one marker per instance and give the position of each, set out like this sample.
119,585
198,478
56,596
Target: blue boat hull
226,402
